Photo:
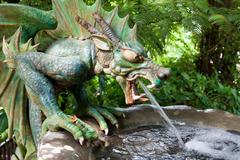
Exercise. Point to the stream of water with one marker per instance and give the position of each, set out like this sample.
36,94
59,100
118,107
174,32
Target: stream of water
157,108
161,112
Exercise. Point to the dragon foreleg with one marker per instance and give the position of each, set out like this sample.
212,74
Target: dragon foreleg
41,92
97,112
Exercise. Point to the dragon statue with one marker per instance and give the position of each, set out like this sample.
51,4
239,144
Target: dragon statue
63,48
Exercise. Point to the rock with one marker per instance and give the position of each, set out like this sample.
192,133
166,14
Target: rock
62,146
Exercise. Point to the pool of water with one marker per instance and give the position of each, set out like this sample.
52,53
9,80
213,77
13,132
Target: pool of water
158,143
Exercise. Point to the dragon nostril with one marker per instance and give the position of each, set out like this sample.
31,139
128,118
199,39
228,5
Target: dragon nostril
166,76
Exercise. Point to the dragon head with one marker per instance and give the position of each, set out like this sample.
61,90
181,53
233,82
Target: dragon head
125,60
130,62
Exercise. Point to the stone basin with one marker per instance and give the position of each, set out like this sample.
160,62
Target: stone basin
208,134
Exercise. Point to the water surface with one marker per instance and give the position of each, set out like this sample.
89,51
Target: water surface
158,143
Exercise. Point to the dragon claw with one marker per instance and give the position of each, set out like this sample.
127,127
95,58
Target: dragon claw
106,144
81,140
102,113
79,129
104,139
106,131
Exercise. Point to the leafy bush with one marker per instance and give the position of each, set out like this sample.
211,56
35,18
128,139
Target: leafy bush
111,94
194,89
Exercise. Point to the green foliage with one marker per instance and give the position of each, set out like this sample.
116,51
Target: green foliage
111,95
180,45
194,89
215,25
67,102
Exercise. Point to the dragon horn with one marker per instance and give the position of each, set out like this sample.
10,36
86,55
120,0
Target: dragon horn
106,28
87,26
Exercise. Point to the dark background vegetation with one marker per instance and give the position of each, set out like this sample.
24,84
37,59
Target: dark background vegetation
198,39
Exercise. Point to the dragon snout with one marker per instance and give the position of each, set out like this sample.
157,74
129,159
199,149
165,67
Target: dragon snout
163,73
158,73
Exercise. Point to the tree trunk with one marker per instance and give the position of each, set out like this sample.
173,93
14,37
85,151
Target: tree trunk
215,50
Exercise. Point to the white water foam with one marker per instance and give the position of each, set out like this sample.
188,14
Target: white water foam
216,143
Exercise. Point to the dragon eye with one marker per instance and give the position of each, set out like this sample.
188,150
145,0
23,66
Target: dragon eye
131,56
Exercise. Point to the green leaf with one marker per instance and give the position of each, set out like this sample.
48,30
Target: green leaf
218,19
202,5
221,21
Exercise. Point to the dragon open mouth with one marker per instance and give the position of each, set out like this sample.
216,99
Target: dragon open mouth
128,82
132,93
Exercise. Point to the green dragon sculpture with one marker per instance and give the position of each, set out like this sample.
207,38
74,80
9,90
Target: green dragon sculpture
63,48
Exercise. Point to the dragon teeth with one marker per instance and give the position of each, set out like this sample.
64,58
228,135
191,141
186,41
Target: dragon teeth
151,86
